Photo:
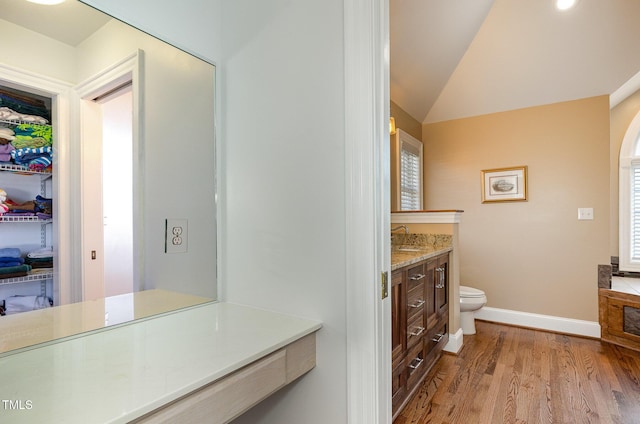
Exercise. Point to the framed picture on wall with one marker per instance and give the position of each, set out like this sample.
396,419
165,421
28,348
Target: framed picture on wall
504,184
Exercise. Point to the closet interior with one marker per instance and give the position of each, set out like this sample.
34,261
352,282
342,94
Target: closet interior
26,205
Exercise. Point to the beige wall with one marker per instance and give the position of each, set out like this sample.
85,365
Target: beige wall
621,117
409,125
405,121
532,256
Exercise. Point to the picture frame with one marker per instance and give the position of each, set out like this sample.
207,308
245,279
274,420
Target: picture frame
504,184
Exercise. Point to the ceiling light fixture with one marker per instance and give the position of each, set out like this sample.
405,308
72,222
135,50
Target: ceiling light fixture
47,2
565,4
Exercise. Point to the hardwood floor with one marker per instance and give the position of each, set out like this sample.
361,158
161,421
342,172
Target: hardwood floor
510,375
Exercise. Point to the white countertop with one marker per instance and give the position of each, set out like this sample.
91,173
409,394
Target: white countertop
119,374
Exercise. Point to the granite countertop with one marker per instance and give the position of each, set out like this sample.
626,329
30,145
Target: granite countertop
402,258
408,249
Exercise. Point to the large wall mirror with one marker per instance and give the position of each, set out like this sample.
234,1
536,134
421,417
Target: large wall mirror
107,174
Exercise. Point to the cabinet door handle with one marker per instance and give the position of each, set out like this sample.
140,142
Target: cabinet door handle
418,304
416,363
437,338
417,277
417,331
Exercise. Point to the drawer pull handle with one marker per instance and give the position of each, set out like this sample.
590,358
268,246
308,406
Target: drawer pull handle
440,285
417,277
417,331
437,338
416,363
418,304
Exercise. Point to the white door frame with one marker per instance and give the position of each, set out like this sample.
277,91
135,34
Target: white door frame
368,210
129,68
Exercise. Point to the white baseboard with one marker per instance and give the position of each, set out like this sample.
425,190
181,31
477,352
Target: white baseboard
455,342
541,322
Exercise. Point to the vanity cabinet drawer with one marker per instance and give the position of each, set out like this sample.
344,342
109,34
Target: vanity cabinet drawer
437,337
415,302
416,330
416,277
416,366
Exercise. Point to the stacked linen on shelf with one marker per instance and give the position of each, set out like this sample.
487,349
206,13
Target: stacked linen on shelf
41,207
33,146
12,264
11,115
24,103
40,260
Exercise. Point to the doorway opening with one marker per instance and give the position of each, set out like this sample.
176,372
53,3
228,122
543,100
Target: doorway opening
117,189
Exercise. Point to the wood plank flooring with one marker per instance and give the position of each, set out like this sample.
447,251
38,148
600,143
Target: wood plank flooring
507,375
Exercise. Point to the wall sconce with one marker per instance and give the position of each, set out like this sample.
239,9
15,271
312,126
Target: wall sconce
392,126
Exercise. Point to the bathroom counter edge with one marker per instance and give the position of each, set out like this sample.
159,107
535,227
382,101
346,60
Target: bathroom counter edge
119,375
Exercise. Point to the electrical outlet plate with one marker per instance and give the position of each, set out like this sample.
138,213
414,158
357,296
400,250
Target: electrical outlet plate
176,236
585,214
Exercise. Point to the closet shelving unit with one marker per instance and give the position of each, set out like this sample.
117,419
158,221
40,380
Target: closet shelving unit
42,276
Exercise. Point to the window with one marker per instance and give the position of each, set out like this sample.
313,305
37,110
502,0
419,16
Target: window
409,168
629,198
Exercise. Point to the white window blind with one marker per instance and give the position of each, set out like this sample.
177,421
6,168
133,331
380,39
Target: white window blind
410,172
629,201
635,213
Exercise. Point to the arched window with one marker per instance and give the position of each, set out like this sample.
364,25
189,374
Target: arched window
630,198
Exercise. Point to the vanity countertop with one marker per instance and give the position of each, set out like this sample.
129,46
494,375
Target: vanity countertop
414,254
120,374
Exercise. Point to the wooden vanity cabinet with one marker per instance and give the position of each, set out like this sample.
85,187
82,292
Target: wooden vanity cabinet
420,324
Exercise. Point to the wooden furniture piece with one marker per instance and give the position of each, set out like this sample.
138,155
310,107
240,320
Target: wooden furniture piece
420,324
620,318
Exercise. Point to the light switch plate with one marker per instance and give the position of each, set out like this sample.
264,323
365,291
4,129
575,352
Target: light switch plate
176,236
585,214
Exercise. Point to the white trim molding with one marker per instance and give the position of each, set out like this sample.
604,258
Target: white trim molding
426,217
367,205
455,342
540,322
627,89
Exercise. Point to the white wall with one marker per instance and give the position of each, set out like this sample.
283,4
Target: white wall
31,51
281,142
284,229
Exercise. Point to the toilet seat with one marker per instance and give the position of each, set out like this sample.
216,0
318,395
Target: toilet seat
470,292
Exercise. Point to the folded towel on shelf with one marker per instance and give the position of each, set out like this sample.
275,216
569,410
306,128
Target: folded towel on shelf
15,304
10,252
39,262
27,154
23,131
45,252
10,114
10,264
29,206
40,164
5,152
14,269
44,205
6,259
23,141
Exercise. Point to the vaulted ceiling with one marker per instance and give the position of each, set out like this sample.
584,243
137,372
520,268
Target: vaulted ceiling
458,58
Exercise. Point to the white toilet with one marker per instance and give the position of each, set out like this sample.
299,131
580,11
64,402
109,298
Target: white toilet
470,301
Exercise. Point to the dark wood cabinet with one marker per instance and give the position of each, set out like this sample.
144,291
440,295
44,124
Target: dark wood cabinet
420,324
